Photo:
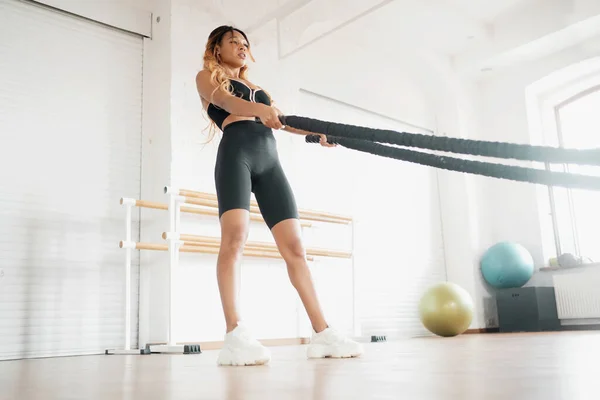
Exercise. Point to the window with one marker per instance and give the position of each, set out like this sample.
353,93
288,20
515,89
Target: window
576,213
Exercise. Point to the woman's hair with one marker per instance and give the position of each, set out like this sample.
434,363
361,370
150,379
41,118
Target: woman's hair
212,63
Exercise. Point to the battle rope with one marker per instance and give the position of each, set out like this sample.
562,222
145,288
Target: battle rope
362,139
493,170
447,144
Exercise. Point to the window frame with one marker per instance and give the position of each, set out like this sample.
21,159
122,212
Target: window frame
560,138
544,97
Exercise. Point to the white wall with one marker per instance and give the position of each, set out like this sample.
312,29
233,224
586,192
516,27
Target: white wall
339,71
457,117
156,170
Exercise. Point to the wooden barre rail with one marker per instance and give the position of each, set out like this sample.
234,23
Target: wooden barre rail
255,209
305,214
196,248
216,242
201,211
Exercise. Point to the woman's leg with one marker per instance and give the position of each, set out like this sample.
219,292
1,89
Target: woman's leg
288,236
239,347
234,232
277,204
233,182
278,207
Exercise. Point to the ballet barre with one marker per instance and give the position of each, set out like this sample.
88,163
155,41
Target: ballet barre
195,240
194,202
195,247
209,199
195,210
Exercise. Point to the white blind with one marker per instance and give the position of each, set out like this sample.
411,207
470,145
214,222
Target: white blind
398,243
70,140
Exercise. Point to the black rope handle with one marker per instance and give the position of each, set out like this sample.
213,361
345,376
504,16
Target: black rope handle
336,131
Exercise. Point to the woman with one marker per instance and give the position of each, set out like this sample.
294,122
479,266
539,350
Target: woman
247,161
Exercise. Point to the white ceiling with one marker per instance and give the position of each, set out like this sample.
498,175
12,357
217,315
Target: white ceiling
251,14
483,10
473,34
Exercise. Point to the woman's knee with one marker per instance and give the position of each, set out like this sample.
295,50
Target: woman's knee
288,235
294,251
234,232
233,241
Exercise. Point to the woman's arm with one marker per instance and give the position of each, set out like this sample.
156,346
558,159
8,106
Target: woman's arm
234,105
297,131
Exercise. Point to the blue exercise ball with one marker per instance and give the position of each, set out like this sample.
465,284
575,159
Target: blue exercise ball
507,265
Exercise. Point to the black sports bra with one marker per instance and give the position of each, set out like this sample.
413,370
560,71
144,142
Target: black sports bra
240,89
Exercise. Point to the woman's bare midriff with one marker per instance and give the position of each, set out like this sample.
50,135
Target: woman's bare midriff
235,118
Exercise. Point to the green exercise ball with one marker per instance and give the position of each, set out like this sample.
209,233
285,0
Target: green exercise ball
446,309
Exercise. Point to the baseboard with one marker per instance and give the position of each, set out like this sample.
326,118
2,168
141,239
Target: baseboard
300,341
563,328
481,330
591,327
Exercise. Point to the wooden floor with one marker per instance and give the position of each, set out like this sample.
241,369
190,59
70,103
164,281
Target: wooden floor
563,365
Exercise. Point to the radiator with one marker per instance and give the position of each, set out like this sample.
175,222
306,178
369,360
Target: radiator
578,293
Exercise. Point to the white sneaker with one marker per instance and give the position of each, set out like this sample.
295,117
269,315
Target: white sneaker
240,348
330,343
